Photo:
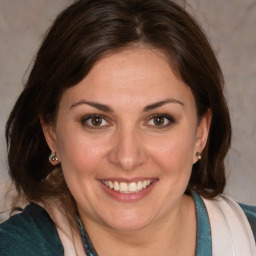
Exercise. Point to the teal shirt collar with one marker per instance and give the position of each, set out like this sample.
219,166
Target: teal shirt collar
203,239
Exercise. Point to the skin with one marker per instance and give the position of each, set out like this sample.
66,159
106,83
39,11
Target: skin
128,144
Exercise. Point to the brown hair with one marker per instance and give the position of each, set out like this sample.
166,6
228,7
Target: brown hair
79,37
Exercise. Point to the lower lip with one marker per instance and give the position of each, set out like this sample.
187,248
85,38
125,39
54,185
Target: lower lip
128,197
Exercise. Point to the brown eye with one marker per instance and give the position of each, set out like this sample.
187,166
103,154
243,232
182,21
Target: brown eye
96,120
158,120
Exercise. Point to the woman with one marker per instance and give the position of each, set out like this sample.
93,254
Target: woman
119,137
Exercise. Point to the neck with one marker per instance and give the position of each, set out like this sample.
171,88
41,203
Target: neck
173,234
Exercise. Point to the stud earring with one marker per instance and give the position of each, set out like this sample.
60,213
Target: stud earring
199,155
53,158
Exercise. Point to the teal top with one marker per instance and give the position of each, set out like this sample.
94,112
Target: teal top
32,232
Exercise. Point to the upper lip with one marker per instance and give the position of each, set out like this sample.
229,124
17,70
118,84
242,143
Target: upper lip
128,180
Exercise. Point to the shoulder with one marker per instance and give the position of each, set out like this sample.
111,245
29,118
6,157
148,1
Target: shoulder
250,212
31,232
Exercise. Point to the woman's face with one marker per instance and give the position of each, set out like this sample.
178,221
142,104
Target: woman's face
127,137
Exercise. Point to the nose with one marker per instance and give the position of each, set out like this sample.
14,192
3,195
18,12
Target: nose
128,152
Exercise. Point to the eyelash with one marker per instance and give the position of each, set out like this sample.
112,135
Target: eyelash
86,119
89,118
169,119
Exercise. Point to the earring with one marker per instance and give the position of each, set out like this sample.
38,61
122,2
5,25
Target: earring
53,157
199,155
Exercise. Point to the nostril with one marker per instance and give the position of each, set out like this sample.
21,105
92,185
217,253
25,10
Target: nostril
128,150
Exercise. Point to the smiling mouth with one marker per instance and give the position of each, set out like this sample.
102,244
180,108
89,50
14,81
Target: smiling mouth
127,187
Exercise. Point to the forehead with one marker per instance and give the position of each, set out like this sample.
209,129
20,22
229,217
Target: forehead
133,75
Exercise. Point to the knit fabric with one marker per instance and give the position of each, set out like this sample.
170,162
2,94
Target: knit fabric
30,233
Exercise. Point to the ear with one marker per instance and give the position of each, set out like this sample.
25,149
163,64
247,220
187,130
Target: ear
50,136
202,133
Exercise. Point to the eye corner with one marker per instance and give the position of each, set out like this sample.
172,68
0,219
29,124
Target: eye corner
95,121
160,121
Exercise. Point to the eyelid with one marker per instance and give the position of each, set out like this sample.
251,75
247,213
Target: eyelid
87,117
170,119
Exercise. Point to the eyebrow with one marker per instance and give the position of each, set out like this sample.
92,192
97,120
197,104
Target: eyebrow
106,108
99,106
161,103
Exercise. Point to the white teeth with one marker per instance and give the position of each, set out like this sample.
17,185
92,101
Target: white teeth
133,187
110,184
139,185
124,187
116,186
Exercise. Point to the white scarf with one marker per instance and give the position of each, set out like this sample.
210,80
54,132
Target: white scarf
230,229
70,239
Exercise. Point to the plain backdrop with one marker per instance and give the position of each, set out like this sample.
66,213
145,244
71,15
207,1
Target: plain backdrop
230,26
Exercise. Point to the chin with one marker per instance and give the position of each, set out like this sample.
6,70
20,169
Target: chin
128,226
128,222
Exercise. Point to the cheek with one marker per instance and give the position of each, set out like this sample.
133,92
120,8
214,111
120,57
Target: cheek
174,153
79,154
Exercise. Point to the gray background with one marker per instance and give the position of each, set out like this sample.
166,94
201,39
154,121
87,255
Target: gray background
230,26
